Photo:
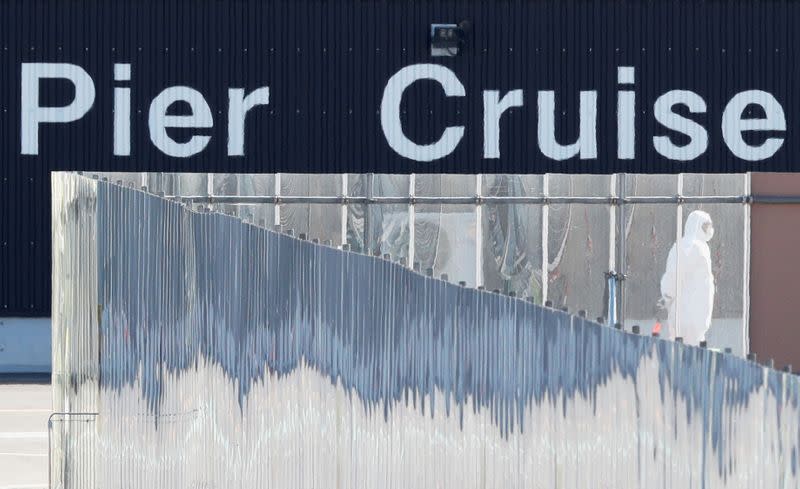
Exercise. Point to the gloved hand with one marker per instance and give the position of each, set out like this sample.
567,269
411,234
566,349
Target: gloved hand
664,302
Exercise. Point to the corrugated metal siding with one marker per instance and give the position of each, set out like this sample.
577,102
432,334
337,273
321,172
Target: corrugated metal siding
225,355
327,63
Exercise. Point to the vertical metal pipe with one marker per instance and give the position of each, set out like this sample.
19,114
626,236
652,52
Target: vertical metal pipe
367,224
50,452
545,230
345,192
678,236
479,231
746,269
412,218
277,221
612,245
612,225
621,243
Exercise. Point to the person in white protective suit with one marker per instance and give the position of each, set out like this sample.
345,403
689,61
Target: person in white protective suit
687,287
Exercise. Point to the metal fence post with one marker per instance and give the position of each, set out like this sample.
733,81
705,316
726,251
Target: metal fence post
746,269
412,218
545,231
479,230
367,221
277,221
344,208
622,263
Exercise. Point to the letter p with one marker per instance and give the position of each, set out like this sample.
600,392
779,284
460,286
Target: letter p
33,114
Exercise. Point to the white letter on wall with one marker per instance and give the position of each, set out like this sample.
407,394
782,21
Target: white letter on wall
237,110
492,110
698,136
122,111
586,145
159,121
33,114
733,125
390,112
626,114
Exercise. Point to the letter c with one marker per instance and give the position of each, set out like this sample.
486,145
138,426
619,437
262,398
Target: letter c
390,112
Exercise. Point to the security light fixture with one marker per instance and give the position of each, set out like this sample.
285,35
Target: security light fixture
448,39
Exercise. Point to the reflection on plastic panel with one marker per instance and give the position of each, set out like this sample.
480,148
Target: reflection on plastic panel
445,240
220,354
512,237
714,184
578,244
650,233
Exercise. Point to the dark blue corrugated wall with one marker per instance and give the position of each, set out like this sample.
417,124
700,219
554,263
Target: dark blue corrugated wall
327,64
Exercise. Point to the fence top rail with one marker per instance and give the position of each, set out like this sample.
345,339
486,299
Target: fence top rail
484,200
53,416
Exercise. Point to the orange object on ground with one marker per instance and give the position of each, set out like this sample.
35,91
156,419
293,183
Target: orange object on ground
657,328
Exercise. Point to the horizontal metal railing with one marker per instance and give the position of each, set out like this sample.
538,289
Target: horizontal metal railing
484,200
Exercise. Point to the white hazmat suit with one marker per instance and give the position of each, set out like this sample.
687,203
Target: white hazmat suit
687,286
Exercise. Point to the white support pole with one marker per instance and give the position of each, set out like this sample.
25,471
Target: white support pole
612,226
479,231
622,246
345,182
678,235
545,230
277,221
746,270
412,219
612,246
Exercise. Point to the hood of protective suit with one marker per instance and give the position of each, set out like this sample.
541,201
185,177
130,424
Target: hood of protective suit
698,227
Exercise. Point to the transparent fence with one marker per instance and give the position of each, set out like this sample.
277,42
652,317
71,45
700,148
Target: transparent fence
554,238
219,353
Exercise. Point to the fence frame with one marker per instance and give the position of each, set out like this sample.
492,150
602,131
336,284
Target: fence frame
616,199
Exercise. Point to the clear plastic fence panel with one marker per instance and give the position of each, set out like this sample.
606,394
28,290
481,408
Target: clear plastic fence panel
128,179
168,183
445,240
381,228
445,236
248,185
321,221
357,184
644,185
245,184
727,184
512,236
192,184
578,244
650,231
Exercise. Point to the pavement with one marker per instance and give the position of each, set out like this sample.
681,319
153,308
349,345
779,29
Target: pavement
24,409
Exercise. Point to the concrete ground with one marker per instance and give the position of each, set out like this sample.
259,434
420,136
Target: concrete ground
24,409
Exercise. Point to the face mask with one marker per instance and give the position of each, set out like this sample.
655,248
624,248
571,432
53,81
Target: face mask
708,231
